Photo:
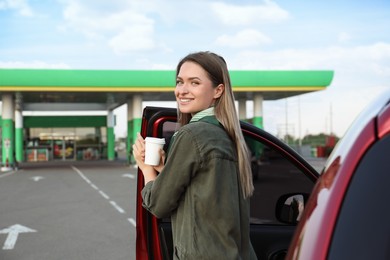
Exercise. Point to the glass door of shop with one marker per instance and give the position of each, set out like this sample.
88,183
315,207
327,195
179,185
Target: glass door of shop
63,149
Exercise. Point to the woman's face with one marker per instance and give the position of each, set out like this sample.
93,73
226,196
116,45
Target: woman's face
194,90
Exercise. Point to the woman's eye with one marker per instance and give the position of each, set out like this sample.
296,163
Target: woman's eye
195,83
179,82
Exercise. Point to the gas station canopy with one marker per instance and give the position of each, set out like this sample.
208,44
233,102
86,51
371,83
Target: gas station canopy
75,90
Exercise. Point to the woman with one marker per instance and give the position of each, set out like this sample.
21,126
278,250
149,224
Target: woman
206,181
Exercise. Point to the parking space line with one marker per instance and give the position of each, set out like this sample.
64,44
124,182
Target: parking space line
132,221
7,174
113,203
104,195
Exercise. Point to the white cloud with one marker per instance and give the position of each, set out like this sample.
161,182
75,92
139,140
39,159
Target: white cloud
245,38
249,14
344,37
128,27
133,38
366,59
360,74
124,29
21,6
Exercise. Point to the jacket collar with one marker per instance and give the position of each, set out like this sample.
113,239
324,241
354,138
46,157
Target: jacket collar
198,116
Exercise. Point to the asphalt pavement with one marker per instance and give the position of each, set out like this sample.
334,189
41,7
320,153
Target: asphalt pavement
68,210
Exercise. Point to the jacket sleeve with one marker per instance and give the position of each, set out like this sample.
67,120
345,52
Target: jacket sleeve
162,196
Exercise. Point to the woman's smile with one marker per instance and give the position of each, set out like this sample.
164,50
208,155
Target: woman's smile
184,100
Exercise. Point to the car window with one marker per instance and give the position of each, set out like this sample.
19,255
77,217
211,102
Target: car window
167,130
363,227
273,177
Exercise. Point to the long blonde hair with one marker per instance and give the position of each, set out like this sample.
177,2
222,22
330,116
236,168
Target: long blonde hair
225,111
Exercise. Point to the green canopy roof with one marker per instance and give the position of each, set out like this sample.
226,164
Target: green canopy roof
112,88
145,80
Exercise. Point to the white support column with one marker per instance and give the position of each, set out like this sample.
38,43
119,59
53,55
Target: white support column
8,106
8,113
110,135
110,119
137,106
135,112
242,108
18,119
19,149
258,110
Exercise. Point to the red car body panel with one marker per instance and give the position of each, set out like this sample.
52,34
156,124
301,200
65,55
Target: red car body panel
313,236
384,122
323,207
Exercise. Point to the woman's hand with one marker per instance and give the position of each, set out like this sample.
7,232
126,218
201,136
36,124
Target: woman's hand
139,151
160,167
148,171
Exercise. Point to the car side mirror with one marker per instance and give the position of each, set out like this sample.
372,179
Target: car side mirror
289,208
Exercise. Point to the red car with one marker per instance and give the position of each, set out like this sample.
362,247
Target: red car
348,213
284,181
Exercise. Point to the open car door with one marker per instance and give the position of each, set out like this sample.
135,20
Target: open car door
283,181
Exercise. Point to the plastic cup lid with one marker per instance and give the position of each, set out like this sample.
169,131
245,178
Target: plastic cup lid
155,140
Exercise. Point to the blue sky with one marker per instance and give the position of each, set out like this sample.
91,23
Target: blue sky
352,38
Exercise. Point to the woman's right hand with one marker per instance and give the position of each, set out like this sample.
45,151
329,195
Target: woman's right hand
139,151
148,171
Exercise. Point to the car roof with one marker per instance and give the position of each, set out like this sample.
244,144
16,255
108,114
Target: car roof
369,112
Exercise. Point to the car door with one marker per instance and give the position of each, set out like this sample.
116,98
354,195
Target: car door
282,180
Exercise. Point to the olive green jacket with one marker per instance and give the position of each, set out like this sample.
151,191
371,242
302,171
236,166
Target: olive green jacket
199,189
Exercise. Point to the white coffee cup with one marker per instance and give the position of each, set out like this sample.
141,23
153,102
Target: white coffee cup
152,150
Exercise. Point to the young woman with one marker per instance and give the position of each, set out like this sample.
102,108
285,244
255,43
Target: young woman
206,181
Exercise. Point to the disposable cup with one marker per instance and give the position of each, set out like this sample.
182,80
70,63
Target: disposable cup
152,150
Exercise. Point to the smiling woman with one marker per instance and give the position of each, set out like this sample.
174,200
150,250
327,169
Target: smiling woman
205,190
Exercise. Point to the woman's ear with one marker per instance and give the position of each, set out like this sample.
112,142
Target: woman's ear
219,91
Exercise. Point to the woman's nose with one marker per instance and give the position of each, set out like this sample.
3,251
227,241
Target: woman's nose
183,88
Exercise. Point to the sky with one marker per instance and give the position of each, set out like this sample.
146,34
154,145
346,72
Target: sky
349,37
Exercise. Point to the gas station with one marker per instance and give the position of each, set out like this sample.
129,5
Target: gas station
91,137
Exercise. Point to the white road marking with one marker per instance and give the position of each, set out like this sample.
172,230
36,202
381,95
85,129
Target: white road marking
7,174
79,172
128,175
132,221
37,178
113,203
104,195
13,233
